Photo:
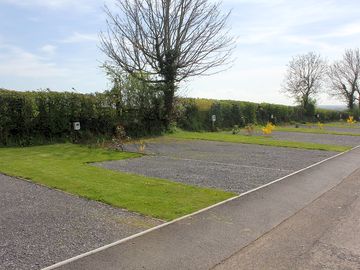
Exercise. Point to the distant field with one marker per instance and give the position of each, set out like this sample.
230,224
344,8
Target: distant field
260,140
65,167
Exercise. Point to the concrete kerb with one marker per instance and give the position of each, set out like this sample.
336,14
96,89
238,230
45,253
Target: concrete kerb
188,216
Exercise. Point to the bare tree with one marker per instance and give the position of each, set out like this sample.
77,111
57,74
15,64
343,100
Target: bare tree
305,77
169,40
344,76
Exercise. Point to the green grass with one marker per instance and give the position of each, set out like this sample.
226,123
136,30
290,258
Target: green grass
260,140
343,124
64,167
315,131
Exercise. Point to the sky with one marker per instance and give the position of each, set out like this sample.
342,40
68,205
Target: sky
54,44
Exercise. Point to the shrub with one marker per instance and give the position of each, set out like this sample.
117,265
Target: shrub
28,118
188,116
235,130
34,117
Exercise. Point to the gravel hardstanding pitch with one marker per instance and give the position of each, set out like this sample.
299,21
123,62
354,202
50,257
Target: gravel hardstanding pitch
228,166
40,226
354,129
317,138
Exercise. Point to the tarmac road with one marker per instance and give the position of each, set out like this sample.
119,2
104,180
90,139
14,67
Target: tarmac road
324,235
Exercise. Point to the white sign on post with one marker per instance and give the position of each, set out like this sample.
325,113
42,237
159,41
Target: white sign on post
76,125
213,118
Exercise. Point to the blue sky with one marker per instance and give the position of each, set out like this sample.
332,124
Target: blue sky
54,44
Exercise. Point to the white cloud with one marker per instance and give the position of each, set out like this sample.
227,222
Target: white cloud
258,35
273,20
47,3
79,5
310,43
344,30
20,63
269,33
80,37
48,49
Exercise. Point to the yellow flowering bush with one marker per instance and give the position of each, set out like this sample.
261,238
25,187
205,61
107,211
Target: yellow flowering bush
351,120
268,129
320,125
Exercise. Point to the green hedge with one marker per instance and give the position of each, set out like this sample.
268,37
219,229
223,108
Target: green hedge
28,118
197,114
31,117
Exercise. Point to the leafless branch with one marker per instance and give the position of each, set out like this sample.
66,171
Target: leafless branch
305,77
344,77
169,40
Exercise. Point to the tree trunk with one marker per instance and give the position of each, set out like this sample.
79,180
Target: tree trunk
305,102
351,102
169,93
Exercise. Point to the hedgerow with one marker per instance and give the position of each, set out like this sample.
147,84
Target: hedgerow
32,117
230,113
28,118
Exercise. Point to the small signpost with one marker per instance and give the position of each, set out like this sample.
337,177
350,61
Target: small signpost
77,126
213,120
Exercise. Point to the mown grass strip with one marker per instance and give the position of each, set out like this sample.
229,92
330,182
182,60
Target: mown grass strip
260,140
337,125
65,167
315,131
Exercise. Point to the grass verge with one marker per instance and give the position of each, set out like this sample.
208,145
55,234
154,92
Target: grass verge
65,167
337,125
260,140
316,131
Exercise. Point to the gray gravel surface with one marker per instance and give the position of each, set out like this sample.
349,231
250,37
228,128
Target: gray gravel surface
350,130
204,240
228,166
40,226
317,138
354,129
